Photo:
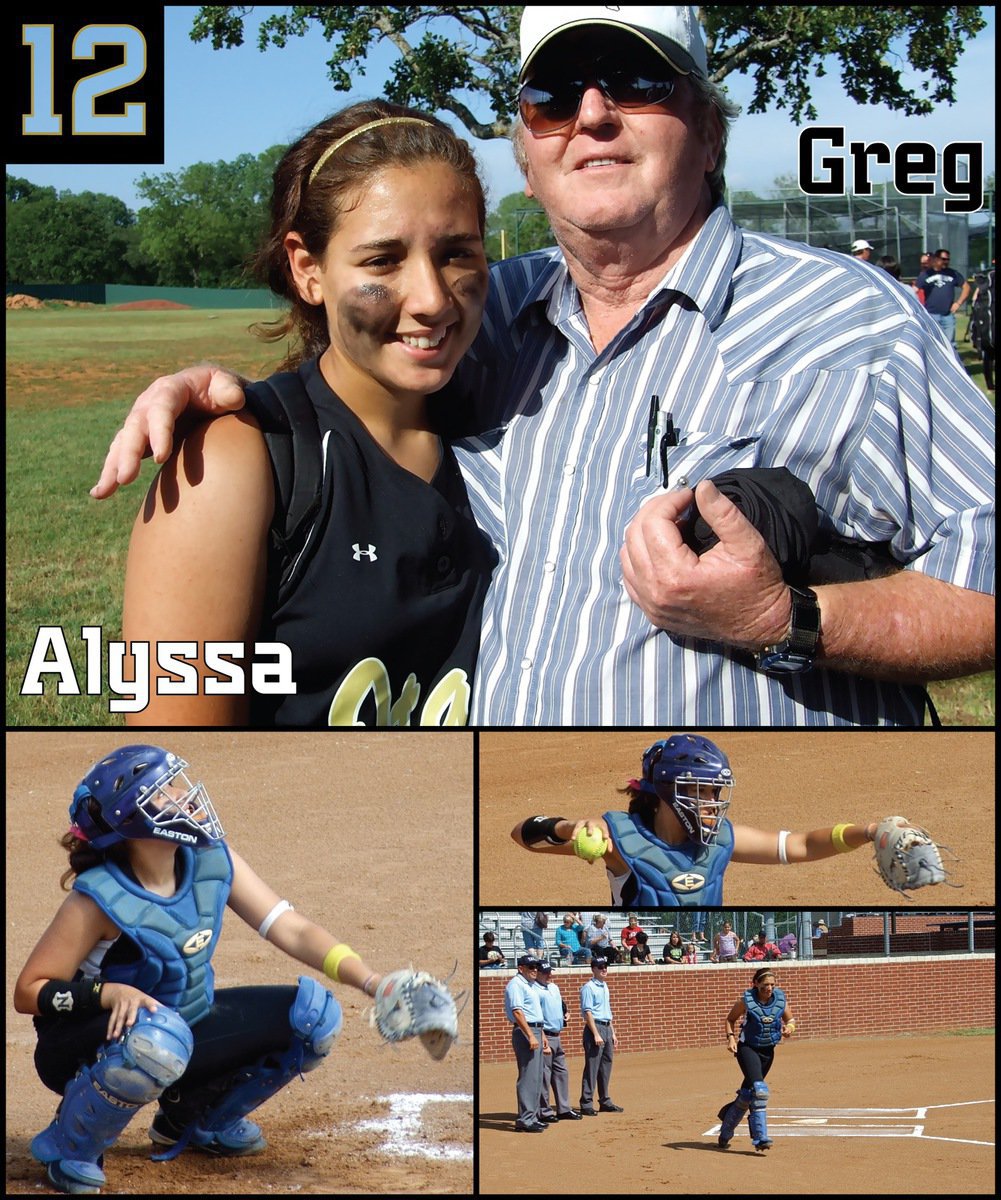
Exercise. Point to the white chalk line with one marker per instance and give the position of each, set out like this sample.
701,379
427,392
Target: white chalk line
856,1122
402,1127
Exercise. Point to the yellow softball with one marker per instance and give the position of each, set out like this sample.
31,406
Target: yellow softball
590,846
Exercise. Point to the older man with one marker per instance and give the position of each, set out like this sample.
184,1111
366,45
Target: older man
555,1077
523,1008
599,940
658,346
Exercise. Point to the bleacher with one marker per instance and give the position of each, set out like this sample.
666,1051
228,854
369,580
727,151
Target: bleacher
507,927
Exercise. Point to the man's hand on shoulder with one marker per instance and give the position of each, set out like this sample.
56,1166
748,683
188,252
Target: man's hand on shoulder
207,390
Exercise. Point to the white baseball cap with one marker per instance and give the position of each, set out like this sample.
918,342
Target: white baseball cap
861,244
672,31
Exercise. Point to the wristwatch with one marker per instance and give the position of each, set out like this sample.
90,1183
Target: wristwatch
797,651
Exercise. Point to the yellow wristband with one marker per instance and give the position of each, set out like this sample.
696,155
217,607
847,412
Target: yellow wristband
838,838
335,956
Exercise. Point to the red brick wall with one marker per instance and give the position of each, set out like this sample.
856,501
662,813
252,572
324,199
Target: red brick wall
667,1008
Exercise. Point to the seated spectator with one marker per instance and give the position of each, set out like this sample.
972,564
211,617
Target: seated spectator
640,951
570,940
762,950
788,944
489,955
674,951
599,940
628,935
691,954
726,945
820,929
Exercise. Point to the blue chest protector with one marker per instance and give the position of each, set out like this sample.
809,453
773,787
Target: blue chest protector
687,876
763,1026
176,936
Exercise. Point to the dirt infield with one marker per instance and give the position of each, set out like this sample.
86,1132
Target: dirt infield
887,1115
319,816
148,305
784,780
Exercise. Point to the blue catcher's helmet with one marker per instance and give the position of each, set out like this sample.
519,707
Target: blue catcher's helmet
693,776
125,796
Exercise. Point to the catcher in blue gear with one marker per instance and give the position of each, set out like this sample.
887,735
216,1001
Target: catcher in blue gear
121,985
766,1020
672,846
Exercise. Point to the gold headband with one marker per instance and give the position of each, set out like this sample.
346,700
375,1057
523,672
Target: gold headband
354,133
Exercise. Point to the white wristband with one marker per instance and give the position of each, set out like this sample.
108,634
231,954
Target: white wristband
783,838
281,907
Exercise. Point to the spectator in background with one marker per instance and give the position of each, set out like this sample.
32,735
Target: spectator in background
640,951
726,945
628,935
489,955
762,950
862,250
890,265
923,264
788,944
940,283
691,954
533,925
674,951
820,929
570,940
599,940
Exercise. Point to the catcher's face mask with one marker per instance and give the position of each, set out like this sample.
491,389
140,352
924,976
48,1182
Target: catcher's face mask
699,805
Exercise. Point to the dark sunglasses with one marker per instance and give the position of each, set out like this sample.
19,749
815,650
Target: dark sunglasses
547,106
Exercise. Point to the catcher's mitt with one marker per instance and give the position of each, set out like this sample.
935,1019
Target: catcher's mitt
411,1003
906,856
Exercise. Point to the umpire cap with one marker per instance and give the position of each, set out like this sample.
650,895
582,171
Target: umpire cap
528,960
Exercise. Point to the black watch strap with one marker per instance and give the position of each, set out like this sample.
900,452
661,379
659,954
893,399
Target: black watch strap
797,651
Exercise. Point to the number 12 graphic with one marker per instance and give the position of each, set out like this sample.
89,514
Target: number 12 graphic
43,121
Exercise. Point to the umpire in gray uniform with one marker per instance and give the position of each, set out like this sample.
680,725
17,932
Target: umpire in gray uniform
554,1064
599,1041
523,1008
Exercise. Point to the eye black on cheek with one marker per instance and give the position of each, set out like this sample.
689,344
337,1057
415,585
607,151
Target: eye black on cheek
472,286
368,308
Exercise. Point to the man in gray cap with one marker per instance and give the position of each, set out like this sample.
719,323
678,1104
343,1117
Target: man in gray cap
599,1041
523,1008
657,348
554,1064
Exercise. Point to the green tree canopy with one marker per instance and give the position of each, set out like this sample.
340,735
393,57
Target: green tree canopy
201,225
66,237
524,225
465,60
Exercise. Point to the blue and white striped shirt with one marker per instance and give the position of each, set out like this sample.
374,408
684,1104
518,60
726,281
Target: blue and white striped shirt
766,353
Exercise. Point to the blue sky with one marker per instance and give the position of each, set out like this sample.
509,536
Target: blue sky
221,103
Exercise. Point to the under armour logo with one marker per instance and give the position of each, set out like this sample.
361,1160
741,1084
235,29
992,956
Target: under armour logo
359,553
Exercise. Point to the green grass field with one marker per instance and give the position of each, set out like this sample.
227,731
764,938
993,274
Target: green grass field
71,376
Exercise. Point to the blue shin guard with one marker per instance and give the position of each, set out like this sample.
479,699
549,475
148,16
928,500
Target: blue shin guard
315,1019
758,1119
104,1096
732,1114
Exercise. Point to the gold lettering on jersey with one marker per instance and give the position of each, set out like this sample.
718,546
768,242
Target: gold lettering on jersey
368,682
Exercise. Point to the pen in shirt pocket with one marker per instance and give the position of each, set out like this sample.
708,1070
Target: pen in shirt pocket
661,435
